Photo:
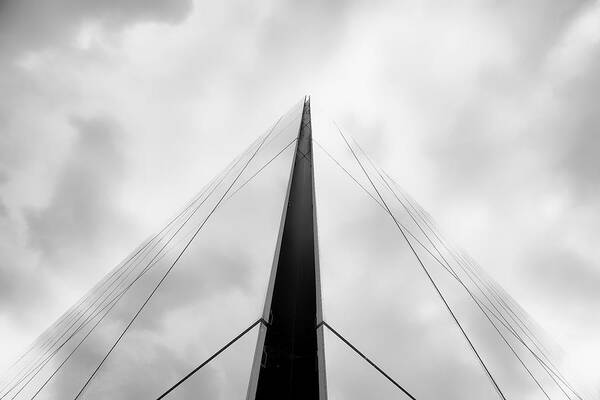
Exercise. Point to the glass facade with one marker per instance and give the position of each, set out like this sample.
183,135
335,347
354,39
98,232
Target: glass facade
391,286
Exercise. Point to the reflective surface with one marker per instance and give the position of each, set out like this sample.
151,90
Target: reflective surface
412,302
405,297
192,287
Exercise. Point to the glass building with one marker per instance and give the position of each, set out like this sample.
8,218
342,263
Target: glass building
301,271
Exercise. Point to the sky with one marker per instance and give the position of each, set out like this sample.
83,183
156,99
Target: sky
114,114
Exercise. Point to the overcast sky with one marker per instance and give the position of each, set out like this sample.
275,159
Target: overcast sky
114,113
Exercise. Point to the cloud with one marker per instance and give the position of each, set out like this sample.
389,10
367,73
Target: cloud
82,214
564,270
58,21
19,277
216,289
576,159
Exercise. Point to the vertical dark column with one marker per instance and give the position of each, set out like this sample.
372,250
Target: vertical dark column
289,361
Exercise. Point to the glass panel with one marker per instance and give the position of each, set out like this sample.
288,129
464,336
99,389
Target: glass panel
331,145
214,291
217,290
280,137
226,377
350,377
511,376
375,292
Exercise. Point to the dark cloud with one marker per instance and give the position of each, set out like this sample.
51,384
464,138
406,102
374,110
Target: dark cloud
468,153
58,21
214,291
500,121
374,287
559,270
19,278
82,214
3,209
536,25
156,361
283,36
577,140
17,282
3,177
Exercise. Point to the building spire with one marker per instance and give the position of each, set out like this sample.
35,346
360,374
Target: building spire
288,363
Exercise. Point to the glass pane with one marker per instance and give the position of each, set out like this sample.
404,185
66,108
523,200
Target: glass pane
391,284
511,376
350,377
226,377
219,252
216,291
331,145
375,292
